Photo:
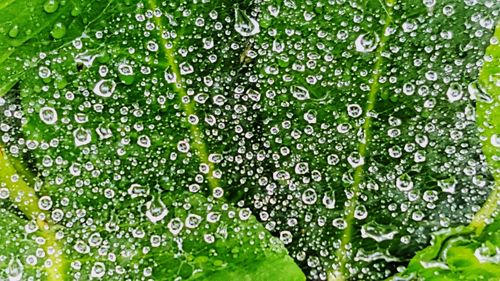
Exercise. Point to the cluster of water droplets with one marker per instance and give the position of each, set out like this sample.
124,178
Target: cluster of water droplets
346,130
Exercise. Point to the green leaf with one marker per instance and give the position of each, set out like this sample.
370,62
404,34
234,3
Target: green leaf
368,133
142,136
471,253
111,115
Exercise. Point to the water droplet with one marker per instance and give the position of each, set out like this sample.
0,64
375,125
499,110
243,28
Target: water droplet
45,203
215,158
192,221
82,136
245,25
98,270
377,232
156,210
81,247
448,185
454,92
355,159
300,92
4,193
144,141
329,200
404,182
44,72
175,226
58,31
286,237
185,68
48,115
136,190
15,269
301,168
360,212
125,69
366,43
50,6
354,110
104,88
309,196
14,31
183,146
495,140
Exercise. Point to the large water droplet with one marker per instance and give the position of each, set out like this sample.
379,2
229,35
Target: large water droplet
404,182
15,269
300,92
245,25
98,270
104,88
48,115
454,92
309,196
366,42
82,136
156,210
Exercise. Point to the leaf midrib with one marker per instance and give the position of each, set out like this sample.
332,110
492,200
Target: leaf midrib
25,199
189,108
359,174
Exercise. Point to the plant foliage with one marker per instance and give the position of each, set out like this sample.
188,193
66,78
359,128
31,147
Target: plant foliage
253,140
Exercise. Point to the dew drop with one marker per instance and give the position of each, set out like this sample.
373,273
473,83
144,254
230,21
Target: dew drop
98,270
355,159
144,141
329,200
104,88
58,31
454,92
245,25
366,43
45,203
50,6
82,136
48,115
156,210
15,269
404,182
175,226
300,93
309,196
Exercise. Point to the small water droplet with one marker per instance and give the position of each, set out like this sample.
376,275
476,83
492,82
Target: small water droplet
50,6
58,31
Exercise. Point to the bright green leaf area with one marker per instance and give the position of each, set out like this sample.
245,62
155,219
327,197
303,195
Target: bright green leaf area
156,230
249,140
472,252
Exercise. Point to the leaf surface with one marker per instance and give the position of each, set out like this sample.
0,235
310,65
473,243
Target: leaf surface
116,121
